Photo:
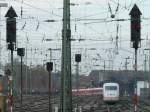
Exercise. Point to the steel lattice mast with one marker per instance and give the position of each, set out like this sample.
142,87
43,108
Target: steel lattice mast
66,93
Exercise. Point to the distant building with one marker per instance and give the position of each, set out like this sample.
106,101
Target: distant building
142,88
126,79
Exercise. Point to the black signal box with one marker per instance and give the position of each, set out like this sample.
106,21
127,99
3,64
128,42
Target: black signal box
11,30
49,66
20,51
135,14
78,57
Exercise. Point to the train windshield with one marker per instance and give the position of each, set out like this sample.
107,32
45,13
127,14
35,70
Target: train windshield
111,87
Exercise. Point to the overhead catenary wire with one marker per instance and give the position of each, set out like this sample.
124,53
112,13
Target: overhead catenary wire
98,37
35,7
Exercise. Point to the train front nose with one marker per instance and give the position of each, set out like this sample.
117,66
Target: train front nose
111,94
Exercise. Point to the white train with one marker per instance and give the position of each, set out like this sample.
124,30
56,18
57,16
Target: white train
110,92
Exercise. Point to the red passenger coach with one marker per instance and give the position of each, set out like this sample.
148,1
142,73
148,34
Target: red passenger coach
88,91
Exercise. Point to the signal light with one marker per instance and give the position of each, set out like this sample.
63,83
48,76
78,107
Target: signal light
135,14
49,66
21,51
78,57
11,30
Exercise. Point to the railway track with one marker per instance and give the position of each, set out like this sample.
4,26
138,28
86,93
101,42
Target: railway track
40,103
87,103
124,105
34,104
144,105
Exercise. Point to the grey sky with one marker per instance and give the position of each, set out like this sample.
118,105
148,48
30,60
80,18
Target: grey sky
91,26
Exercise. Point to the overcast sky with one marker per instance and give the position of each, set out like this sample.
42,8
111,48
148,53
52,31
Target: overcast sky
92,28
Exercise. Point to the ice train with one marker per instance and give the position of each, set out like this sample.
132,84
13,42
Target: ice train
111,92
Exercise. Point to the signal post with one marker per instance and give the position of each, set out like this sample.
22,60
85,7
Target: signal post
135,14
11,42
66,81
77,60
21,53
49,66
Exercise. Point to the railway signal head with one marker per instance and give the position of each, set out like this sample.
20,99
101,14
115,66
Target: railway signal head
78,57
21,51
11,25
49,66
135,14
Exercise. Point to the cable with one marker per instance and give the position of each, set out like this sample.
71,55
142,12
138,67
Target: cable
38,8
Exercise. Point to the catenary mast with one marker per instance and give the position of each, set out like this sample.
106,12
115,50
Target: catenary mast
66,93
